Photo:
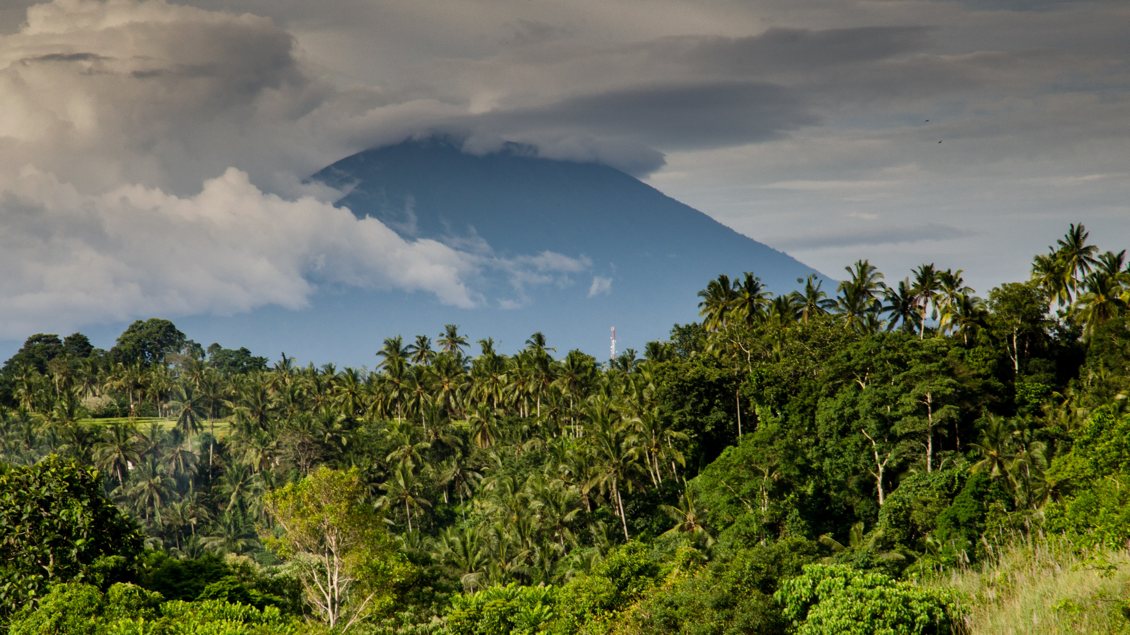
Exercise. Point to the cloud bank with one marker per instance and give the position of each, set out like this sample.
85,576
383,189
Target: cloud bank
151,158
74,258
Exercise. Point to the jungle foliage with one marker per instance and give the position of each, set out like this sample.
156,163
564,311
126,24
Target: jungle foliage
815,462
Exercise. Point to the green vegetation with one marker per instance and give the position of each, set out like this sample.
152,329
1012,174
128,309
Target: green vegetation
890,458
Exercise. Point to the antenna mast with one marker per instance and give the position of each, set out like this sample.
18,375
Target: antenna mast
612,347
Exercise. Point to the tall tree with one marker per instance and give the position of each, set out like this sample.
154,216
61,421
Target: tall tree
348,565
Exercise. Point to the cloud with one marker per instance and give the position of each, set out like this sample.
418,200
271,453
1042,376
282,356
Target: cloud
676,115
118,118
74,258
600,286
777,51
871,235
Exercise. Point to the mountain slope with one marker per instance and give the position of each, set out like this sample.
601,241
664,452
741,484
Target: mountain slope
569,249
648,253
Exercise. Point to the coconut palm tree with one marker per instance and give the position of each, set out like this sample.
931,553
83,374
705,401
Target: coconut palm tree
813,301
118,451
900,306
925,287
451,341
858,300
420,352
717,302
616,453
1077,256
189,409
751,299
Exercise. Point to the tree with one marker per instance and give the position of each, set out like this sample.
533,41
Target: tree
926,286
751,299
1019,315
717,302
839,599
349,567
813,301
858,301
56,524
451,341
147,342
1076,255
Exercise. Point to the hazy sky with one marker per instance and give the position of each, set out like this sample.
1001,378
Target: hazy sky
152,152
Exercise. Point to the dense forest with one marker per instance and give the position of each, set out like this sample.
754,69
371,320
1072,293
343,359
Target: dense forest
889,455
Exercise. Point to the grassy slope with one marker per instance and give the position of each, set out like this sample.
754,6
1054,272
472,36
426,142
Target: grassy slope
1042,587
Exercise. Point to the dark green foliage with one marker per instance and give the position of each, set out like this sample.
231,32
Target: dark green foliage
235,361
36,352
209,577
698,394
147,342
960,526
56,524
730,595
621,578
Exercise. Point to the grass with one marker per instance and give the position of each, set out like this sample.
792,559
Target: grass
1044,586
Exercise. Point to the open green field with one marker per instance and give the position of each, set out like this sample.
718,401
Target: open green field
220,427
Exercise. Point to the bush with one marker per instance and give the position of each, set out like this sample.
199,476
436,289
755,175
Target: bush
835,599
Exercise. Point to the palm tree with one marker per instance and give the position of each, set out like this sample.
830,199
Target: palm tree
180,462
967,316
464,553
451,341
751,299
252,405
1104,299
420,352
189,410
1050,273
858,301
688,518
400,489
901,307
953,292
925,287
151,491
813,301
717,302
1076,255
615,451
232,532
996,447
119,451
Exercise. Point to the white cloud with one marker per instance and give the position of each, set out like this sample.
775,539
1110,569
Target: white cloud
77,258
600,286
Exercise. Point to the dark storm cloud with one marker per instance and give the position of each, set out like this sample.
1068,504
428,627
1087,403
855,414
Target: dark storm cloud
684,115
66,57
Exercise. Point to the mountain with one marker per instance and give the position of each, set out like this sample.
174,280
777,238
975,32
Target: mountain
647,255
571,249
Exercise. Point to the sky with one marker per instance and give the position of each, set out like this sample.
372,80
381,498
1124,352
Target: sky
153,153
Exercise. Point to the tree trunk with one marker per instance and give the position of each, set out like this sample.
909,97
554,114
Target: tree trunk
880,467
620,507
738,407
929,433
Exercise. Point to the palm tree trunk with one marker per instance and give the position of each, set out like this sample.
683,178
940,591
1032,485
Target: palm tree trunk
929,433
620,507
